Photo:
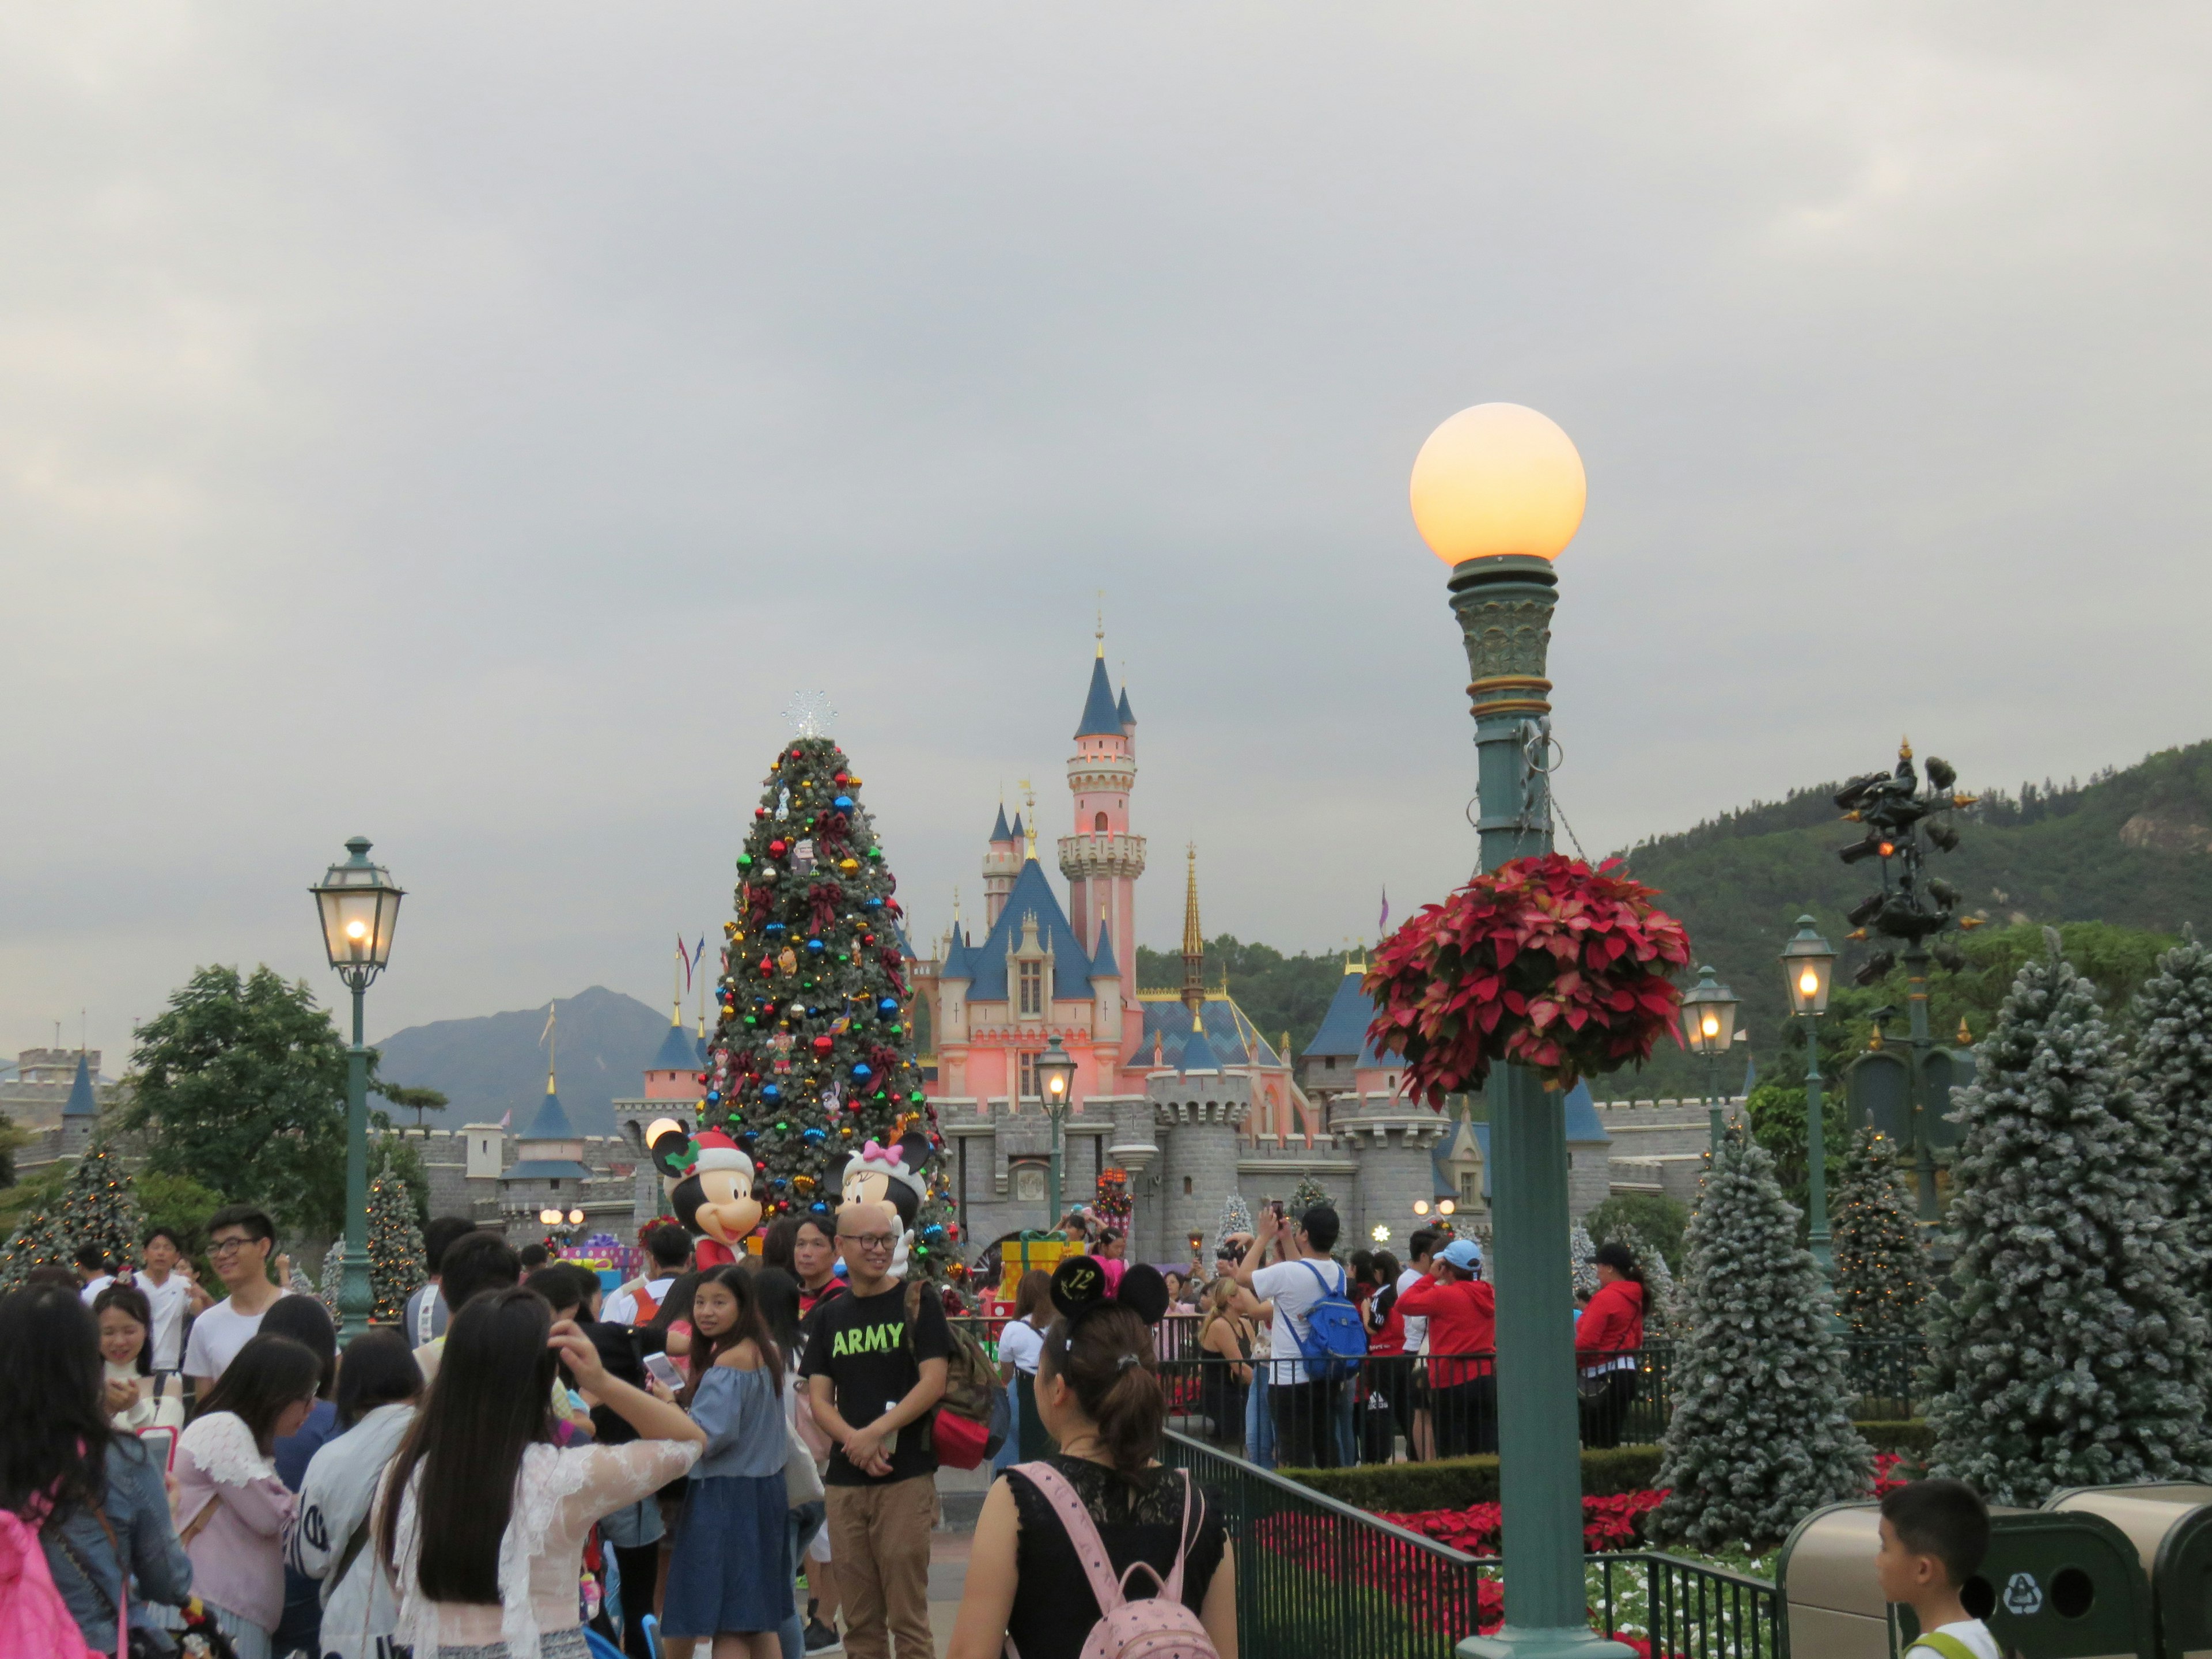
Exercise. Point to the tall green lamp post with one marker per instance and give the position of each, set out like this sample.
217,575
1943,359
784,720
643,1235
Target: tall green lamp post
1055,1075
1809,963
359,907
1708,1027
1497,493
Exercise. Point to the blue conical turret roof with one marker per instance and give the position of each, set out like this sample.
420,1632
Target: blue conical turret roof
551,1122
999,831
1127,719
957,965
81,1101
1198,1054
678,1050
1343,1030
1101,719
1102,964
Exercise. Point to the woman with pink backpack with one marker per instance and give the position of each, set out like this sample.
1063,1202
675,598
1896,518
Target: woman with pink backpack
1098,1552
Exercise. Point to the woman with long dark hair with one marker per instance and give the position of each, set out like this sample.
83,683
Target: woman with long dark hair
378,1387
232,1506
136,1398
1607,1338
731,1568
1029,1590
88,1492
483,1519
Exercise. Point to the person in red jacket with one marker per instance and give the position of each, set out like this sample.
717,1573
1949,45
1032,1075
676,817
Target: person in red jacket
1607,1337
1463,1314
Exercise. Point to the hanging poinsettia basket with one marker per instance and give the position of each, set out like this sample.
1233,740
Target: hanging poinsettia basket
1544,962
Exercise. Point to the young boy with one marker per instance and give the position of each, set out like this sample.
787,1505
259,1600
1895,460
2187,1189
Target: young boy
1934,1535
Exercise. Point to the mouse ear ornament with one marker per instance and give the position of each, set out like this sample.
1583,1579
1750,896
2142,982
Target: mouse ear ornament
1078,1284
1144,1292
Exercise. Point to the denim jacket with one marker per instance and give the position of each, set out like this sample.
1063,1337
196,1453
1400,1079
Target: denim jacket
138,1509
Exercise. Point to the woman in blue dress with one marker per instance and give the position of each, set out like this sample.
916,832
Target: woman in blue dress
730,1574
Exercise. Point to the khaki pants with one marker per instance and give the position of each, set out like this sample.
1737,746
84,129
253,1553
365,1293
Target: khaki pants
880,1538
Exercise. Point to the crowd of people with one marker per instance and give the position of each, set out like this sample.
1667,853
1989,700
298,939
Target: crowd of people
530,1464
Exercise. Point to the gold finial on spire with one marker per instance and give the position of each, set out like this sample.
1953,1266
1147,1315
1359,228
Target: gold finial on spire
1904,747
1028,814
1101,635
955,905
1966,1038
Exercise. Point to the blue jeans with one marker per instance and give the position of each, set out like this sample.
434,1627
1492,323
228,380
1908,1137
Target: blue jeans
1259,1421
804,1521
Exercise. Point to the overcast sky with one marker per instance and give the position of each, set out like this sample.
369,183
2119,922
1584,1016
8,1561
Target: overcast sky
467,426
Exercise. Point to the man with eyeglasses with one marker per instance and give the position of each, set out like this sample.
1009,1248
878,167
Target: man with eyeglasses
239,1239
875,1366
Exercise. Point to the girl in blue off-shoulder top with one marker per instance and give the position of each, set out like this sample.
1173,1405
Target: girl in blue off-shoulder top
730,1574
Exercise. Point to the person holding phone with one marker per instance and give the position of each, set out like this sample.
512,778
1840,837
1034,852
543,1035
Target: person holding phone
136,1398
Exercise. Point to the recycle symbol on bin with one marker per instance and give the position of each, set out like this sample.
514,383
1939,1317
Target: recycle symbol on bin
2023,1596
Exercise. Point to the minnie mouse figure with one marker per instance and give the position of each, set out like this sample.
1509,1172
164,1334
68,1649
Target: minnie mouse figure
891,1175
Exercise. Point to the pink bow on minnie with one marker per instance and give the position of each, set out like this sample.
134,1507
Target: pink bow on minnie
873,1153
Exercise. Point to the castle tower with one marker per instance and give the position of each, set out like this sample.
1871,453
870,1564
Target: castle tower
1194,942
1002,865
1102,859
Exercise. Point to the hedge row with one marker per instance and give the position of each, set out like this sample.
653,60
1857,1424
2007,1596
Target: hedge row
1456,1483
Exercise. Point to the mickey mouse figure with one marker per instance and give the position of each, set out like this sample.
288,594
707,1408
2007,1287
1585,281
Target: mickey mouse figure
714,1195
890,1175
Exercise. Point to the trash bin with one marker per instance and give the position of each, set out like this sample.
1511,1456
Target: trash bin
2170,1527
2056,1585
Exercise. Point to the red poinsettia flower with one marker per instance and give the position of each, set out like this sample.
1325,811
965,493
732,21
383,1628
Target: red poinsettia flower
1544,962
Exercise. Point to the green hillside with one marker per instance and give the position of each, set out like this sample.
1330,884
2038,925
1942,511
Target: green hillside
2130,848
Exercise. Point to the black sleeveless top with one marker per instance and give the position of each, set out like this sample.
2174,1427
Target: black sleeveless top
1054,1607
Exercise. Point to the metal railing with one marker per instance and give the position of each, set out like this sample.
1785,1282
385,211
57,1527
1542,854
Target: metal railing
1316,1577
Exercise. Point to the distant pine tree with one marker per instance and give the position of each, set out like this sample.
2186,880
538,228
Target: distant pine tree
2172,1080
1235,1218
100,1207
1881,1265
1761,1434
2072,1354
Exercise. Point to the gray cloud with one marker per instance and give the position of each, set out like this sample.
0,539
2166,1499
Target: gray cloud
467,426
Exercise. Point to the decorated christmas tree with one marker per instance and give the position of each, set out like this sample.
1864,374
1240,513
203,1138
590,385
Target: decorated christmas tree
1235,1218
396,1266
1303,1196
1882,1268
37,1242
97,1207
2173,1078
1113,1206
2072,1353
811,1059
1761,1434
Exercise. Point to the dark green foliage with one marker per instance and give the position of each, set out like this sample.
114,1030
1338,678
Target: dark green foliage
417,1101
2173,1078
2072,1353
1277,992
10,1138
38,1240
1761,1433
1648,1223
241,1085
1881,1264
1454,1483
182,1203
1777,1111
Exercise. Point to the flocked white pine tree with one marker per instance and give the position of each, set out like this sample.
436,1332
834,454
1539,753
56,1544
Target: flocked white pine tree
1582,1257
1235,1218
2072,1353
1761,1434
2173,1078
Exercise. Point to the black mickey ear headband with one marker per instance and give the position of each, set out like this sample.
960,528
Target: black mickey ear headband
1079,1289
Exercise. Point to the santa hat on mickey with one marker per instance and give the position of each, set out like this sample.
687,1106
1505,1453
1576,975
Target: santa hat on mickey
713,1149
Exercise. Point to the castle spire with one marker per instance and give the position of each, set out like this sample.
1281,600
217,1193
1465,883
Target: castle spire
1193,940
551,1036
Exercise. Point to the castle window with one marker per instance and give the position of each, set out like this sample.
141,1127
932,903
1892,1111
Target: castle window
1186,1186
1032,991
1098,823
1029,1084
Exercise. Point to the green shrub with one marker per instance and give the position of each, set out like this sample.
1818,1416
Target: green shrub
1456,1483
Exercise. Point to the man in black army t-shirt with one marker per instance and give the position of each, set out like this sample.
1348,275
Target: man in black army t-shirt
871,1380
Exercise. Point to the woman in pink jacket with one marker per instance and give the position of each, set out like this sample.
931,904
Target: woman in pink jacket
231,1508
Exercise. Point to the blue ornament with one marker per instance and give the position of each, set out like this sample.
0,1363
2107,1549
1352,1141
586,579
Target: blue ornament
770,1091
844,803
874,904
712,1096
779,1183
815,1137
816,946
888,1007
932,1235
776,928
862,1072
820,1208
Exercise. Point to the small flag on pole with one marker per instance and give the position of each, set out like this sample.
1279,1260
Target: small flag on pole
552,1014
1382,922
507,1117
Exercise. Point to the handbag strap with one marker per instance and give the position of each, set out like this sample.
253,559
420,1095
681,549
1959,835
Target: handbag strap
118,1603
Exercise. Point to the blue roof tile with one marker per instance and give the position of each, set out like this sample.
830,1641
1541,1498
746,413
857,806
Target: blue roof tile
999,831
957,962
1231,1038
1103,964
1101,719
545,1169
1071,963
678,1051
1126,718
552,1123
81,1102
1344,1027
1197,1054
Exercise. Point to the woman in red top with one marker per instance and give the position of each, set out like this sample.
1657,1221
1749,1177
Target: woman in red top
1463,1314
1607,1337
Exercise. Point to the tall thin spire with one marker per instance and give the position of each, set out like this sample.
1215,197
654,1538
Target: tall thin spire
1193,940
552,1038
1100,635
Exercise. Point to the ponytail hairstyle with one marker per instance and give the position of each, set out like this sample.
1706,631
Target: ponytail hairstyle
1106,1355
1618,1256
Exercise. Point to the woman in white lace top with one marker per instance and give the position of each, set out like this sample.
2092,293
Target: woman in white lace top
486,1538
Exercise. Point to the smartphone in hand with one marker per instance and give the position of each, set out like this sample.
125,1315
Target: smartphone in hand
665,1372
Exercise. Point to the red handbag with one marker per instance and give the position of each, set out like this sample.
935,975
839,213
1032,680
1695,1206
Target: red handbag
959,1441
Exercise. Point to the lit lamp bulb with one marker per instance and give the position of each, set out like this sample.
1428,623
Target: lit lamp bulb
1712,1027
1420,1207
550,1218
356,929
1497,478
576,1218
1808,984
1447,1207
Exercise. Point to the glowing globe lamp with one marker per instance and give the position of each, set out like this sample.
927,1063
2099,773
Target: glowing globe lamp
1497,478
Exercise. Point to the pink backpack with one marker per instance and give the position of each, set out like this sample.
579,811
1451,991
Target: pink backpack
34,1617
1157,1626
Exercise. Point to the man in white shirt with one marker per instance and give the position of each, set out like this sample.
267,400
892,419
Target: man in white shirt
669,1248
169,1292
240,1240
92,1273
1304,1407
1421,1250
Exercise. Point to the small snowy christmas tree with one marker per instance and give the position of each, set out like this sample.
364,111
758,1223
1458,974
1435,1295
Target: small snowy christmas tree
1235,1218
1761,1434
1303,1196
2172,1080
1882,1268
333,1276
100,1208
2072,1353
1582,1257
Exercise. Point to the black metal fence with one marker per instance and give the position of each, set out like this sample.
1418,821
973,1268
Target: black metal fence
1317,1576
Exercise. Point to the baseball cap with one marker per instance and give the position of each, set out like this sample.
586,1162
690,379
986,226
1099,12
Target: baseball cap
1463,1253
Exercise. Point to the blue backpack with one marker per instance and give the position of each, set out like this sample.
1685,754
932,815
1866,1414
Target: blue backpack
1335,1339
